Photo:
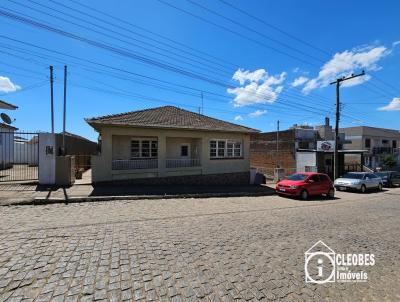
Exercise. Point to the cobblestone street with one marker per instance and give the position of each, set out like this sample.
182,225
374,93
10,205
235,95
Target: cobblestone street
217,249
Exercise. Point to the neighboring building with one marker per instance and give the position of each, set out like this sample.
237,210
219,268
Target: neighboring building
170,145
266,154
6,139
301,149
6,145
26,150
376,141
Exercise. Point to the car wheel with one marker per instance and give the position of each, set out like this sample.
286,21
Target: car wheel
380,187
331,193
304,195
363,189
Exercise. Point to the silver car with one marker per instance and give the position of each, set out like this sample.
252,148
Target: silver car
360,181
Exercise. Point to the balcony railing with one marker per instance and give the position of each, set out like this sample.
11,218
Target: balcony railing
182,162
131,164
383,150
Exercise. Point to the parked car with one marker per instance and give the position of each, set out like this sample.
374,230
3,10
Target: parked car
358,181
389,178
306,184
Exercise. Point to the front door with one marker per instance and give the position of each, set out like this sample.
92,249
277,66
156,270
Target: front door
185,151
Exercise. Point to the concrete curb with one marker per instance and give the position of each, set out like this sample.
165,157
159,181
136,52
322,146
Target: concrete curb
79,199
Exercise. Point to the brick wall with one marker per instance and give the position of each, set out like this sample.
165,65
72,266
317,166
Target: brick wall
264,157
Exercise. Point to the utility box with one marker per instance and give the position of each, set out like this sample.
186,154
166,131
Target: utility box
65,174
54,170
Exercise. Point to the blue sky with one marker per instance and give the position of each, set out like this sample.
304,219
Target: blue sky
253,71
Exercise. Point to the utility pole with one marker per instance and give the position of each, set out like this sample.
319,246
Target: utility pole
277,144
65,107
336,154
51,99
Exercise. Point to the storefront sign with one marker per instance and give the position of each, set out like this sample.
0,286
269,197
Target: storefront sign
326,146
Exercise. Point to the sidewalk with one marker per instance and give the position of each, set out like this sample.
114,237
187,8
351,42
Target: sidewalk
82,191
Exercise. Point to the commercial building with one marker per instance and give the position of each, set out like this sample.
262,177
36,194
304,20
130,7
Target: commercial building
302,149
377,142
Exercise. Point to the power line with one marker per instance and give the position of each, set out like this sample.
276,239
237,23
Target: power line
109,48
275,28
287,105
176,57
154,33
284,92
253,30
237,33
276,103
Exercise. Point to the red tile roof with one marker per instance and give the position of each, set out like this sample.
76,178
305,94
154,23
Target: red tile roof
167,117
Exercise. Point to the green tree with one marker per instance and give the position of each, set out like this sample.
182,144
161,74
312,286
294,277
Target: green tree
389,161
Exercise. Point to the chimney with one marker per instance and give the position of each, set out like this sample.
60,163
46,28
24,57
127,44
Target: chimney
327,121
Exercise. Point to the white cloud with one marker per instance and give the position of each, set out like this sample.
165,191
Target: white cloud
257,113
238,118
257,87
299,81
7,86
394,105
346,63
395,43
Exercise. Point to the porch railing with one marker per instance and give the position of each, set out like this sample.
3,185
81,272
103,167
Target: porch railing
131,164
182,162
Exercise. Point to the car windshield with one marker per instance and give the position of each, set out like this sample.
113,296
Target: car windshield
297,177
353,175
382,174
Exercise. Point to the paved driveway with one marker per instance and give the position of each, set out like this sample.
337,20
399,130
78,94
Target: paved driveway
242,249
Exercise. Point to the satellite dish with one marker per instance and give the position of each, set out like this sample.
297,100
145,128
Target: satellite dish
6,119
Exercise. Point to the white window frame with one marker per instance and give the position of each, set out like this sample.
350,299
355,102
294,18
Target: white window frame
141,140
235,145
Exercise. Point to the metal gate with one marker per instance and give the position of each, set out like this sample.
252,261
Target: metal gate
19,156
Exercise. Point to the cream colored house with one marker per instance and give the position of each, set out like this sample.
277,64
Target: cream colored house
168,145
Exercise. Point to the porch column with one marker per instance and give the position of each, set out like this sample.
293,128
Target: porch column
162,155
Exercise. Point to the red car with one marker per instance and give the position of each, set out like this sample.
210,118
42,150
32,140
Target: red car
305,184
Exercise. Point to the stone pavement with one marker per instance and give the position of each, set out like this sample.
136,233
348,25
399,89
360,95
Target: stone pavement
216,249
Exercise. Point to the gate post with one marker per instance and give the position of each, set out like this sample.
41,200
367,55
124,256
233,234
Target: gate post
54,170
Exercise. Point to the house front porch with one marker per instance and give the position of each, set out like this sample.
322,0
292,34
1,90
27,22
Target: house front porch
155,156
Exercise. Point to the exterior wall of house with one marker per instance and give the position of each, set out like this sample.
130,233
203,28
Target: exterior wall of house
115,144
174,147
